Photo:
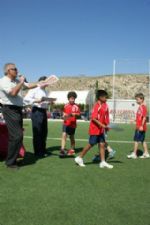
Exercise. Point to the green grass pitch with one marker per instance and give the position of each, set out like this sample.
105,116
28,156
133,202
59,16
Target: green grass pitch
54,191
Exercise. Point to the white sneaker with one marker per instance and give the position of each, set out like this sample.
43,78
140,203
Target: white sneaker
79,161
145,156
132,156
105,164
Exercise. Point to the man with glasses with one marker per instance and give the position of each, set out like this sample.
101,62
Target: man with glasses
12,103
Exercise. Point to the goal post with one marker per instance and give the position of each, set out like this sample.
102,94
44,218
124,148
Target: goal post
130,76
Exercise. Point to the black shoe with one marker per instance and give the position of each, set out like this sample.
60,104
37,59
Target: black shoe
62,154
39,156
13,167
47,154
20,163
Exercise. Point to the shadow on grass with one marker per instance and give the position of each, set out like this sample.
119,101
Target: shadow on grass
77,150
139,152
29,159
115,161
51,150
110,161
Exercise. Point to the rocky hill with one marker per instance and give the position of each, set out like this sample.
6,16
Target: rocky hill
125,85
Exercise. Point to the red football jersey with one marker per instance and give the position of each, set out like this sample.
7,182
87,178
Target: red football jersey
101,113
141,113
71,121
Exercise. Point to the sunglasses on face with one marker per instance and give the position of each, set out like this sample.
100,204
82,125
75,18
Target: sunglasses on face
15,69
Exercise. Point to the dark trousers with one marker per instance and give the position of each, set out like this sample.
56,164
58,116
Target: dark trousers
14,122
39,128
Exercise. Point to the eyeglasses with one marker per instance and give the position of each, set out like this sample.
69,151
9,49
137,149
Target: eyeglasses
15,69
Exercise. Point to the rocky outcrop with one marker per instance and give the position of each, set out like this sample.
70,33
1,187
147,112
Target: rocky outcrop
126,85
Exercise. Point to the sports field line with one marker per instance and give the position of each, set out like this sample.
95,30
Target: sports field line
86,140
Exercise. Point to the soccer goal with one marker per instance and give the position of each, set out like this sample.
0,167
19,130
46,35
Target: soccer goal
130,76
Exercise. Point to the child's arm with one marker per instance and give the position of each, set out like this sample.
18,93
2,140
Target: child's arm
99,123
143,121
75,114
66,116
144,113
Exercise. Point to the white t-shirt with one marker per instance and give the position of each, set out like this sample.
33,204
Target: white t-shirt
6,85
36,93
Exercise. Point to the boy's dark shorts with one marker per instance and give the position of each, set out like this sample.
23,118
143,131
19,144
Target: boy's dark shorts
69,130
139,136
96,139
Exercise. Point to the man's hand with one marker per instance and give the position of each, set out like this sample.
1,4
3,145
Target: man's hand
21,79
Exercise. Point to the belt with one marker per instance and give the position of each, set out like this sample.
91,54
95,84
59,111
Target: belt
12,107
39,109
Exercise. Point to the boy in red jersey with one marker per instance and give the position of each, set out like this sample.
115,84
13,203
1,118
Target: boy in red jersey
98,124
140,128
70,114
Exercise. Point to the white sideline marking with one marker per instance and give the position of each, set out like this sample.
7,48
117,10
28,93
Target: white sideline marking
86,140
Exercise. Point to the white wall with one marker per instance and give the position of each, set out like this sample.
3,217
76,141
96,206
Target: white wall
61,96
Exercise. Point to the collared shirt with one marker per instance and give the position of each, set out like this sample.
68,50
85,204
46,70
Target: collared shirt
100,112
6,85
33,94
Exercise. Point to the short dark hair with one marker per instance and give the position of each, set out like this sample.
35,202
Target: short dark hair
139,95
101,93
42,78
72,94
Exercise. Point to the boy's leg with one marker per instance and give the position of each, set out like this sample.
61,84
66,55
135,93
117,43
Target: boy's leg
137,139
79,159
146,153
109,149
133,154
111,152
102,143
145,147
63,144
63,140
71,151
93,139
71,132
85,150
72,141
102,151
136,144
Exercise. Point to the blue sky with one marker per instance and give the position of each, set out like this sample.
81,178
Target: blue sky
72,37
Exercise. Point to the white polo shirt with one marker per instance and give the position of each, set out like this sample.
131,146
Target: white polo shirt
36,93
6,85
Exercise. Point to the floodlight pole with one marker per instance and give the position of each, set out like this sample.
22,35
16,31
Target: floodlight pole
149,89
113,88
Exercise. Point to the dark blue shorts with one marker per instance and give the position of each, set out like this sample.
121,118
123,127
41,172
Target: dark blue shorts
69,130
96,139
139,136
